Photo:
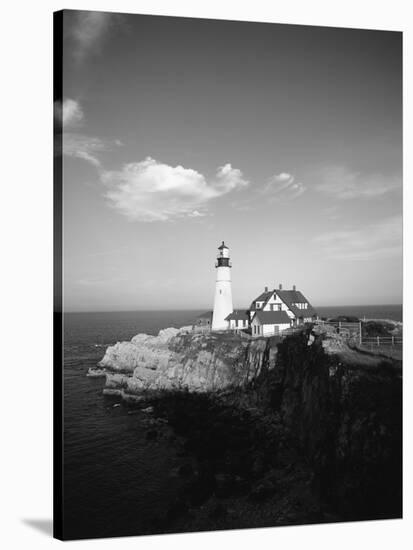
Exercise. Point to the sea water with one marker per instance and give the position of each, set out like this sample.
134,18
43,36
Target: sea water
115,481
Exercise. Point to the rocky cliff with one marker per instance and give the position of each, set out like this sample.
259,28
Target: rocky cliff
344,408
179,359
312,393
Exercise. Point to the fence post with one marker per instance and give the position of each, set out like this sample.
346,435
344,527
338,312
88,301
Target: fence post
392,340
339,326
378,340
360,339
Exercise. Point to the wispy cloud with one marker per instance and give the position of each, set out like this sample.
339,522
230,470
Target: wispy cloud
150,191
342,183
76,144
86,148
197,214
379,240
283,186
88,29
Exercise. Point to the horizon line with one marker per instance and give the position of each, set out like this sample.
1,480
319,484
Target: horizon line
207,309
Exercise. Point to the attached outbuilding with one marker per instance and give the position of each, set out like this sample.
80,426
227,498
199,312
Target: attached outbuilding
238,319
266,323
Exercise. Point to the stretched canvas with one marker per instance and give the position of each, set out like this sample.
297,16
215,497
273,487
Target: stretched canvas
228,274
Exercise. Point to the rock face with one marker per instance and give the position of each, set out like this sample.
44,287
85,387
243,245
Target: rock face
345,410
177,359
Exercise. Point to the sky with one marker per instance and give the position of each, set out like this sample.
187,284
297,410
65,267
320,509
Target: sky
285,141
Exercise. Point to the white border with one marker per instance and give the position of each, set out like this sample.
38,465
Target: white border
26,303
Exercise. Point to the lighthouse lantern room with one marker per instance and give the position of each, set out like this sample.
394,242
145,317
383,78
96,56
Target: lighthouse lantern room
223,290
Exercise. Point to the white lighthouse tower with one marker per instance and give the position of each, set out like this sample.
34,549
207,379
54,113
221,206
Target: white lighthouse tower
223,290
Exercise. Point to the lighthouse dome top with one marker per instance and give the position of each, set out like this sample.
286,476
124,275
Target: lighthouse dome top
222,246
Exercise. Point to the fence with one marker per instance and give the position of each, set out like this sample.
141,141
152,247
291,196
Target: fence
377,341
354,331
199,329
341,325
350,330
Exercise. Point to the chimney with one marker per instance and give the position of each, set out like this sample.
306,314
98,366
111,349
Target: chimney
294,287
266,289
280,286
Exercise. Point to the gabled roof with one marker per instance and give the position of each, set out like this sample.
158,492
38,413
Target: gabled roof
206,315
272,317
261,298
290,297
222,246
237,315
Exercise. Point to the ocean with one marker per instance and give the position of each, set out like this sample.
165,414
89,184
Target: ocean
116,481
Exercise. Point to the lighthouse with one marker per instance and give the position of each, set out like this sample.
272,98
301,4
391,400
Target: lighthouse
223,290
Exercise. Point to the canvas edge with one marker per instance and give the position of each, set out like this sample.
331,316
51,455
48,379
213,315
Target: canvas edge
57,281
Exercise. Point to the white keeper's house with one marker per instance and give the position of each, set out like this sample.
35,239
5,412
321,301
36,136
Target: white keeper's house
272,312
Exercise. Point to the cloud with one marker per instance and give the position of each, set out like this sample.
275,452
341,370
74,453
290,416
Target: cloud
86,148
72,113
150,191
196,214
284,176
341,183
69,112
283,187
75,144
88,30
379,240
